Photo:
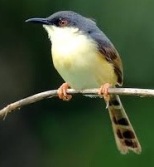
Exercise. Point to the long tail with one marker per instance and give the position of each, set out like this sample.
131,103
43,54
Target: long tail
124,133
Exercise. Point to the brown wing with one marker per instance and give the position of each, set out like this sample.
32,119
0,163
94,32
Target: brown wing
112,56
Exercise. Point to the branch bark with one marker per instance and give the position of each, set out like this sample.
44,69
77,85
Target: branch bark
88,92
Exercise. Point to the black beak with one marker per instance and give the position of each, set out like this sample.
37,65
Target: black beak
38,20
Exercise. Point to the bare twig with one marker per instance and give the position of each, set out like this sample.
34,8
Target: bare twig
91,92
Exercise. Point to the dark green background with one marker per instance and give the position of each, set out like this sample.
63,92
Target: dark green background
53,133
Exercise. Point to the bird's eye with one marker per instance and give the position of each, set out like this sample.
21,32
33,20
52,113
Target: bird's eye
63,22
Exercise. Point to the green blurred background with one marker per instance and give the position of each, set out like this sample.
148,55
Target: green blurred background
53,133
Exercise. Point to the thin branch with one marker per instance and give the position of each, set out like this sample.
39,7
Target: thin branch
87,92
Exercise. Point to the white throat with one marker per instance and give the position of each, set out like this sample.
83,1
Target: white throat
66,40
60,33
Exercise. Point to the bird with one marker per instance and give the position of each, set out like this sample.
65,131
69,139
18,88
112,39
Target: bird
86,58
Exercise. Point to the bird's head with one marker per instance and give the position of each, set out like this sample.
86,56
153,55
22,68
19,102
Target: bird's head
68,20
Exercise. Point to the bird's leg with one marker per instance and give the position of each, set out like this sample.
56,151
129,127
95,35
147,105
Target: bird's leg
104,91
62,92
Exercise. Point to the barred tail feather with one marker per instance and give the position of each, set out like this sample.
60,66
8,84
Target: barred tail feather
124,133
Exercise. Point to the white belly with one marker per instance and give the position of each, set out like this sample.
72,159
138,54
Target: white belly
87,71
83,69
78,61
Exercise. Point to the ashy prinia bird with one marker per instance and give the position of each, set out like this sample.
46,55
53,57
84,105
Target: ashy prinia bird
85,58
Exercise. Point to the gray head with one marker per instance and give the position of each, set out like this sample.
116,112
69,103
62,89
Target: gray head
68,19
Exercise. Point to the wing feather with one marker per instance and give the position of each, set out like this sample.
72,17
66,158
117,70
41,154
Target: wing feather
107,49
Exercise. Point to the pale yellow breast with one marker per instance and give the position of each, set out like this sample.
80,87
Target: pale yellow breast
78,61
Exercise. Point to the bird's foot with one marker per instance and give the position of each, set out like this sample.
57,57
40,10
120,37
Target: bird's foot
62,92
103,91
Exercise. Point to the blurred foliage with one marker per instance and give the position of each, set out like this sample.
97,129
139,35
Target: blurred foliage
53,133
